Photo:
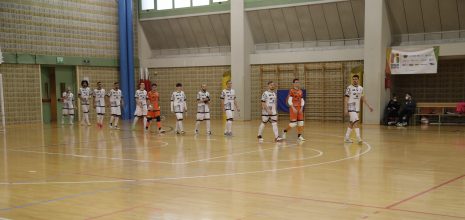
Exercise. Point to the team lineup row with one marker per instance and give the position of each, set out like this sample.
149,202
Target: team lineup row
148,108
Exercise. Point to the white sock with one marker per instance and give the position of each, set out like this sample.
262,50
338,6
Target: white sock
260,129
177,126
112,118
357,132
229,126
71,119
62,119
208,125
145,122
115,123
135,121
349,130
275,129
181,126
86,118
197,123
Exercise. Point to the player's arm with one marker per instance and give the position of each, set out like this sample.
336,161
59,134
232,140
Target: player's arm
185,103
222,101
199,100
122,102
365,101
302,103
289,102
346,100
264,107
172,102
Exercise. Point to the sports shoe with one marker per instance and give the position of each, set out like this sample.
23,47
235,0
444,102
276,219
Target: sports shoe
347,140
196,132
182,132
209,133
161,131
284,135
278,139
301,138
260,138
360,141
111,126
116,128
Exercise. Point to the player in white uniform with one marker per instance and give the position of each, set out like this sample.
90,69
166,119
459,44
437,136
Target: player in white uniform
116,102
203,110
353,98
178,106
141,106
269,111
84,96
99,103
68,106
229,105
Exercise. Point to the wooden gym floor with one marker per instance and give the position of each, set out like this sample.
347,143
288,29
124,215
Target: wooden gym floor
55,172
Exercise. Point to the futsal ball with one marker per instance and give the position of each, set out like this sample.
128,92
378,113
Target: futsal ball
424,121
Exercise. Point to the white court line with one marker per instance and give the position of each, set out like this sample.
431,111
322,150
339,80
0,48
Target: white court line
368,149
142,161
320,153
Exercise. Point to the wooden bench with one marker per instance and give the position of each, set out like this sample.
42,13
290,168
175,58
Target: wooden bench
435,109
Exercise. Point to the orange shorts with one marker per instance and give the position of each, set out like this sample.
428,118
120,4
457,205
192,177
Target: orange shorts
299,116
153,114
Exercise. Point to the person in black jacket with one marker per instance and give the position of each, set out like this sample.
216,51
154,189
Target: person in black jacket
391,113
407,110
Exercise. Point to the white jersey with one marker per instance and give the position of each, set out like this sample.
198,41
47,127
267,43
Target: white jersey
68,99
115,97
270,99
141,97
85,94
355,94
202,107
99,95
203,96
178,100
228,97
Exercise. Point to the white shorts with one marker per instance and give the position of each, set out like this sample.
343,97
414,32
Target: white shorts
353,117
116,110
203,116
85,108
141,110
179,116
68,111
229,114
100,110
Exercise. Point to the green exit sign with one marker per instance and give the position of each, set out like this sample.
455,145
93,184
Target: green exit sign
60,60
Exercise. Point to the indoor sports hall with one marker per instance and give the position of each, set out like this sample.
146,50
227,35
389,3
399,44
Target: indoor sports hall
232,109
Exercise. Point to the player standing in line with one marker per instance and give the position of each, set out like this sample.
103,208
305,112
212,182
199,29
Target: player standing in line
99,103
178,106
84,95
269,112
68,107
154,108
203,110
141,105
296,107
116,103
229,105
353,96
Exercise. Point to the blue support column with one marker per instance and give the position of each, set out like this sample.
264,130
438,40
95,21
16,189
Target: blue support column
130,56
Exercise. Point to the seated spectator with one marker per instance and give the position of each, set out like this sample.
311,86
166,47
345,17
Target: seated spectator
407,110
391,113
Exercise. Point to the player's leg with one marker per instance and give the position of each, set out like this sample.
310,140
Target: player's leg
292,123
71,115
265,119
137,114
300,125
200,117
274,124
207,121
144,115
357,130
64,114
353,119
229,120
180,118
85,115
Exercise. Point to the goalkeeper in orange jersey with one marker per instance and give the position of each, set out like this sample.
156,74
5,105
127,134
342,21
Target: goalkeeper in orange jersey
154,108
296,105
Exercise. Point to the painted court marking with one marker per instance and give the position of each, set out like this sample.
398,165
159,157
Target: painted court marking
368,149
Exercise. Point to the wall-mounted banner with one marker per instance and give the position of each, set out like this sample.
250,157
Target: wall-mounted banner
412,61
